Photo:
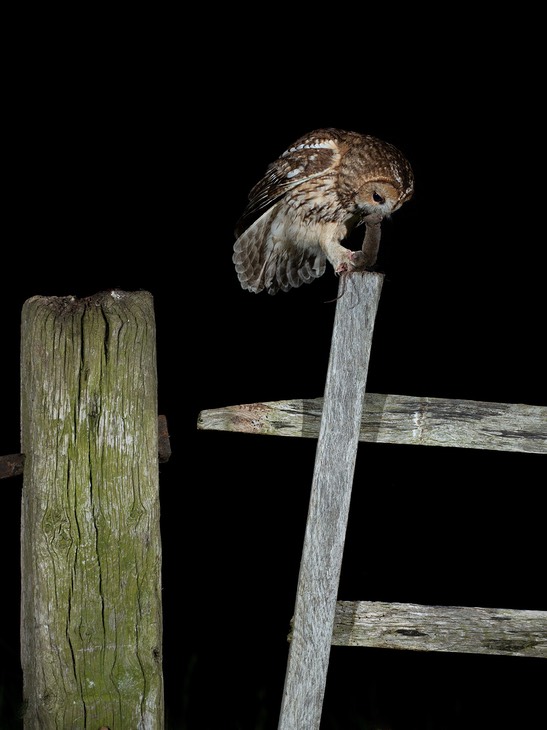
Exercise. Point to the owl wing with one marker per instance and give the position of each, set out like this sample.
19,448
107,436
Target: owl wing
259,264
309,157
263,263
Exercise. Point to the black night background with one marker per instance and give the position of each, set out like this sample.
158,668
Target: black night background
130,158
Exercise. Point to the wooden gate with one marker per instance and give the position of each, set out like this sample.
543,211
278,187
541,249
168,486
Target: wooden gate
343,417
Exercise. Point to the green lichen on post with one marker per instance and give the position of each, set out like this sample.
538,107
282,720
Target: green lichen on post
91,552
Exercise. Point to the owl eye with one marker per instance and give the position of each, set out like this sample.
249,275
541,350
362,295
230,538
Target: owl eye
378,198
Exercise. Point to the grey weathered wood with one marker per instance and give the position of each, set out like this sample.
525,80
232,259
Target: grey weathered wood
399,419
329,502
91,619
500,631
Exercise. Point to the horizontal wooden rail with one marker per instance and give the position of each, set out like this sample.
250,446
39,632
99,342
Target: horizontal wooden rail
398,419
458,629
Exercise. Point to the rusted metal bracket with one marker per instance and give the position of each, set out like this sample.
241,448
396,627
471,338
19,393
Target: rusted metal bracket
13,464
164,444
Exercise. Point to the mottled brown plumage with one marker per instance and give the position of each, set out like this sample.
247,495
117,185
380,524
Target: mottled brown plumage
309,200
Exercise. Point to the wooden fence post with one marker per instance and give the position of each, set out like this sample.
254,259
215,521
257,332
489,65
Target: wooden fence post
332,482
91,620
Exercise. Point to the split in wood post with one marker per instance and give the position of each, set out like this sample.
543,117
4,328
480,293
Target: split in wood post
12,465
90,513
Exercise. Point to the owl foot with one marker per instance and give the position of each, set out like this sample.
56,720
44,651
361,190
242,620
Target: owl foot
354,261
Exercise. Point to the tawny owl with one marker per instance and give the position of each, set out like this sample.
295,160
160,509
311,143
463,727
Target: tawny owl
309,200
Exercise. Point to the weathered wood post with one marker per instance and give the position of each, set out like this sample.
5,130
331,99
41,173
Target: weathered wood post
91,618
330,497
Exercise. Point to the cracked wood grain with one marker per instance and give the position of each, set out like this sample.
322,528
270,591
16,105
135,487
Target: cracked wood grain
461,629
330,497
398,419
91,619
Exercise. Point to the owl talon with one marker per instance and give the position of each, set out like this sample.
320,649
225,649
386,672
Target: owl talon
357,259
355,262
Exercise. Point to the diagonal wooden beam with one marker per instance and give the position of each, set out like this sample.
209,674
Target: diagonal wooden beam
330,497
398,419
